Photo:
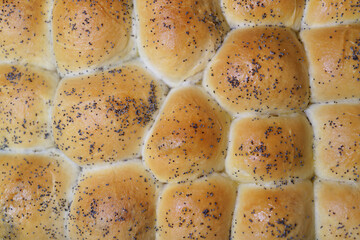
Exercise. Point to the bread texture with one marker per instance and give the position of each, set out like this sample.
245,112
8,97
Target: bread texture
201,209
103,117
274,213
333,54
34,197
177,38
25,33
319,13
116,202
188,138
91,34
337,138
240,13
25,104
261,69
264,149
337,210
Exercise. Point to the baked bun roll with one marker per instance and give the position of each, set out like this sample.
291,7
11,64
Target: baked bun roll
178,38
188,138
319,13
34,196
334,55
337,210
256,13
337,138
103,117
26,96
116,202
91,34
274,213
264,149
196,210
261,69
25,32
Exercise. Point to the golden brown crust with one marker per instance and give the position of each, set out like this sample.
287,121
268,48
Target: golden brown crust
25,100
103,117
196,210
25,32
33,196
114,203
189,137
331,12
337,138
334,55
264,149
89,34
241,13
177,38
337,210
274,213
261,69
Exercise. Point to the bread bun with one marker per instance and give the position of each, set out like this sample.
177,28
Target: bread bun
189,137
286,13
274,213
261,69
103,117
337,210
337,138
333,54
25,102
34,197
116,202
264,149
90,34
196,210
177,38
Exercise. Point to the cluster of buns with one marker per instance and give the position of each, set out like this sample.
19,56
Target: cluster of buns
180,119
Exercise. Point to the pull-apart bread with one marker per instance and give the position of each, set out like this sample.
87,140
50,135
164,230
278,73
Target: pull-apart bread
179,119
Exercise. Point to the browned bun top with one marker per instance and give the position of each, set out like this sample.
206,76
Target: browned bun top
103,117
189,137
88,34
337,138
334,57
178,37
25,32
114,203
241,13
264,149
25,100
196,210
33,196
260,69
331,12
274,213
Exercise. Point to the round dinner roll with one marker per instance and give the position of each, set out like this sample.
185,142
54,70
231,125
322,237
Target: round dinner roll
260,69
26,97
25,32
240,13
196,210
103,117
337,138
34,196
334,57
274,213
319,13
189,137
91,34
177,38
116,202
264,149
